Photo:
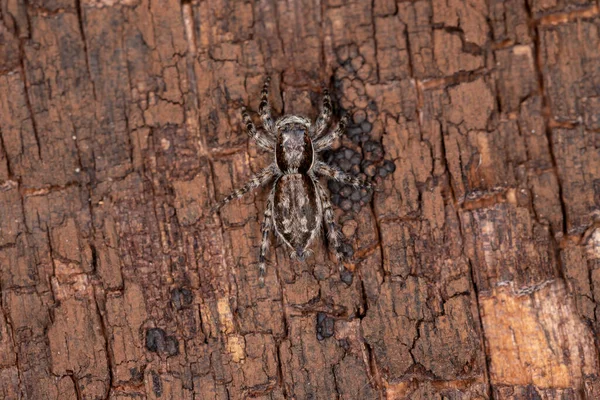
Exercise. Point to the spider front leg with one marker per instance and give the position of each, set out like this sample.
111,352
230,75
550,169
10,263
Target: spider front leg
264,109
328,171
326,141
266,228
257,180
323,120
264,141
333,233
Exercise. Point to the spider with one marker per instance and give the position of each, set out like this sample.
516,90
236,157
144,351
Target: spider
297,204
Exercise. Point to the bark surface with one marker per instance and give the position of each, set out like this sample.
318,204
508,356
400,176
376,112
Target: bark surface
477,272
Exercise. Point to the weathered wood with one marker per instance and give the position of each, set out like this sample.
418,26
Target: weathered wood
477,262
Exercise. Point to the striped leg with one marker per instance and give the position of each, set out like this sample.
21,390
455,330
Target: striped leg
266,228
326,141
333,233
264,109
328,171
264,141
323,120
257,180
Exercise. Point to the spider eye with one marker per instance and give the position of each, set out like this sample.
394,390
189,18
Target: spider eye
295,131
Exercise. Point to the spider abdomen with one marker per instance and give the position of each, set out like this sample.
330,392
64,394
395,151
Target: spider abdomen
296,211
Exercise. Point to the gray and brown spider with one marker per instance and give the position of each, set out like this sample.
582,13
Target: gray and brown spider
298,203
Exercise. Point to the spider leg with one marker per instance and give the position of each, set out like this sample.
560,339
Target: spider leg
264,141
323,120
328,171
325,142
266,228
333,233
264,109
257,180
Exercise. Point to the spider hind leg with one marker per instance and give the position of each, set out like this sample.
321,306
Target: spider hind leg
266,228
334,235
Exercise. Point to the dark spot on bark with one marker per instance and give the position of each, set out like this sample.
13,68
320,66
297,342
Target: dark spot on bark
532,393
325,326
156,384
181,298
344,344
171,345
155,340
158,342
346,277
346,249
137,375
389,165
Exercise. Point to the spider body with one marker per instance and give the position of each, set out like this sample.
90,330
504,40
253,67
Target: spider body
298,206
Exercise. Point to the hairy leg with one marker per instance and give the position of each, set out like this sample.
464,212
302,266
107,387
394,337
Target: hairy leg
264,141
264,109
266,228
328,171
326,141
257,180
333,233
323,120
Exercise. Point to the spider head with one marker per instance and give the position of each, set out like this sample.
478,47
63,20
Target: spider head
293,128
294,147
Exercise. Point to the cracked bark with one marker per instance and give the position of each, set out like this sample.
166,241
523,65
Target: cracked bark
477,269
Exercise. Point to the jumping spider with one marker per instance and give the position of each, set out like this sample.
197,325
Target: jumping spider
298,203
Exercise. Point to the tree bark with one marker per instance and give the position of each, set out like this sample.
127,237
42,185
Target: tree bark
476,270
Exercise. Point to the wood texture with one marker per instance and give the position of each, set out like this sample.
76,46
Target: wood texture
477,272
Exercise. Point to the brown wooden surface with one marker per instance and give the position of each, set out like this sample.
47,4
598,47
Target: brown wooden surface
478,260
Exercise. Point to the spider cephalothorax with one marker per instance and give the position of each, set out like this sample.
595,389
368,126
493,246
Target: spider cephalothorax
298,206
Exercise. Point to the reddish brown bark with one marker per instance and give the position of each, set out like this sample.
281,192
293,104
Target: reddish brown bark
477,272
